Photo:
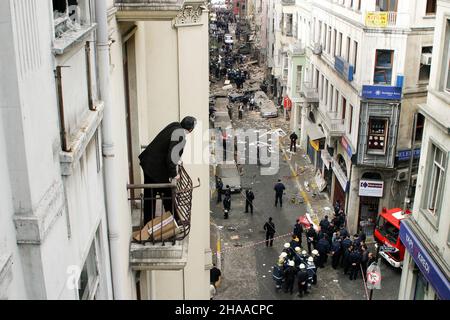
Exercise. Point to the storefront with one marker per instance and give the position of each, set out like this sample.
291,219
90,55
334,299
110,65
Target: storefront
370,192
425,267
315,143
341,185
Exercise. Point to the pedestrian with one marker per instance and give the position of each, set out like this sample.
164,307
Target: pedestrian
219,187
324,224
293,138
241,110
346,259
230,111
354,261
337,206
364,258
298,231
279,189
289,275
302,279
249,197
311,238
362,236
215,276
312,270
159,163
295,242
226,205
343,233
298,259
323,246
277,274
336,251
269,226
227,191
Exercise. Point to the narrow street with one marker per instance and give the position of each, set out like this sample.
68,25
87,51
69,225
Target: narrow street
245,261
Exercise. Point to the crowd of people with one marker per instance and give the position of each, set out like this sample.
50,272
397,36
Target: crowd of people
331,240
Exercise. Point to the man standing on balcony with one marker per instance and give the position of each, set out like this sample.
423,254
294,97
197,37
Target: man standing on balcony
159,163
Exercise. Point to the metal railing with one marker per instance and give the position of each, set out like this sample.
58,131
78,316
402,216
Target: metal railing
173,221
310,91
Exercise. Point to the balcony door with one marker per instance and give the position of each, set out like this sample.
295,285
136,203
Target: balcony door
386,5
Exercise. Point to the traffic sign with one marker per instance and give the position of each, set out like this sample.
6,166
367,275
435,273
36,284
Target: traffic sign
373,277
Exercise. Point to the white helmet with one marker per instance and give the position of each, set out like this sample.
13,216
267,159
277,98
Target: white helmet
311,259
291,263
304,252
315,252
302,266
297,249
283,255
287,245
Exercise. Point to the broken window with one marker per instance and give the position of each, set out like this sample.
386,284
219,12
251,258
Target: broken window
70,15
425,63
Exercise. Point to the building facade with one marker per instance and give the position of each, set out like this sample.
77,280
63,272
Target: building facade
426,234
361,100
83,86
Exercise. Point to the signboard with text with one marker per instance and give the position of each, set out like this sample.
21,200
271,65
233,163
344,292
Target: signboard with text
343,68
346,145
382,92
406,154
370,188
377,19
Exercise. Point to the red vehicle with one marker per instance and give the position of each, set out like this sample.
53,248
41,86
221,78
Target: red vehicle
387,234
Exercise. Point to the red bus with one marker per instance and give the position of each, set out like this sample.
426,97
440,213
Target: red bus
387,234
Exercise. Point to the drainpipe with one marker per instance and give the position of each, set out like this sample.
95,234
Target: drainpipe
112,185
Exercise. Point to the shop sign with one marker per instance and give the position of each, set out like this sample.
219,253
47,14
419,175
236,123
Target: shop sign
343,68
346,145
377,19
315,144
406,154
340,175
424,261
369,188
382,92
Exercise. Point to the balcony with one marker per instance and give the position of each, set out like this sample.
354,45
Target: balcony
297,48
333,124
287,2
310,92
162,243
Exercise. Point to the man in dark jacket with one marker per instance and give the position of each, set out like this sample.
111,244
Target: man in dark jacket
269,226
302,278
289,275
346,259
323,246
279,189
311,238
249,197
298,231
226,205
324,224
355,261
293,138
345,244
336,251
159,162
219,187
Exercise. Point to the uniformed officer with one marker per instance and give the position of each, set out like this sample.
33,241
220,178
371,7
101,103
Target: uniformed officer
302,279
289,275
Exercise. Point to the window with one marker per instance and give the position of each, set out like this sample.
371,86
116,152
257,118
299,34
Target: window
377,135
326,92
419,126
383,67
325,40
355,55
299,78
68,14
350,120
425,64
386,5
344,107
335,41
387,230
331,98
289,25
329,41
359,5
431,7
436,179
321,87
444,67
89,278
348,50
339,49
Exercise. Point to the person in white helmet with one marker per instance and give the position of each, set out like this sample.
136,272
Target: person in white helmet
289,276
297,256
311,269
277,273
302,279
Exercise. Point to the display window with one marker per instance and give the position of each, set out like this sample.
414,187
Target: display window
377,135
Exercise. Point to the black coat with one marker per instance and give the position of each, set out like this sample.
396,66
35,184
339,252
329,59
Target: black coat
293,137
279,188
156,159
298,230
323,246
302,276
269,227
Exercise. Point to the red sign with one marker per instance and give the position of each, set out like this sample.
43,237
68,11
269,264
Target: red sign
287,103
346,146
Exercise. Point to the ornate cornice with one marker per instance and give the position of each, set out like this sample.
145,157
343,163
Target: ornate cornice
190,15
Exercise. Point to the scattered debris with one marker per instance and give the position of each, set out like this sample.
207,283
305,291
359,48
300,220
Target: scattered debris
231,229
236,237
238,245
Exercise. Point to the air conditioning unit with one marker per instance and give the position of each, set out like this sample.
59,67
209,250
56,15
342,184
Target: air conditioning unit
402,175
425,59
317,48
413,180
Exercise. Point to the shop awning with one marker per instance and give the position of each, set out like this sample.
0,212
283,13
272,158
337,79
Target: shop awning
313,131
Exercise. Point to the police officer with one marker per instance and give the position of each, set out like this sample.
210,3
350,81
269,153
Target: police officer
277,273
219,187
345,244
297,257
226,205
311,238
289,275
323,246
302,279
279,189
324,224
346,258
295,242
269,226
249,197
298,231
336,251
354,261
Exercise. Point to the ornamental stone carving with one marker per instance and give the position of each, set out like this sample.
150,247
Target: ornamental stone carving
190,15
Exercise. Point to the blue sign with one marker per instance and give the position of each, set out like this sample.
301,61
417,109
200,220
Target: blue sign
424,261
406,154
382,92
343,68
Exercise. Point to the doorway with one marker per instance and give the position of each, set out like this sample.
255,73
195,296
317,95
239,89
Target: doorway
368,212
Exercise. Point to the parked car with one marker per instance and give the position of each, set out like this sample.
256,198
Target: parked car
268,110
228,38
230,176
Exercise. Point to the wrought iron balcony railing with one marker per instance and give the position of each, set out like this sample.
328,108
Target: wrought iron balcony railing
165,225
